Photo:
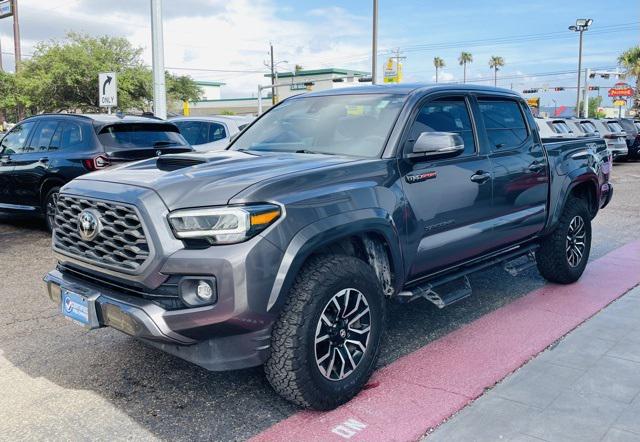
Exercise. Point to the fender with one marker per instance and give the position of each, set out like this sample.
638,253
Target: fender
49,182
570,182
326,231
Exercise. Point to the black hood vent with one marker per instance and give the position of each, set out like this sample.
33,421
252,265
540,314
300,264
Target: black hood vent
170,163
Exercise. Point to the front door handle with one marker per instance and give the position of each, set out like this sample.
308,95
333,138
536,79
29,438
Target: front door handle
536,166
480,176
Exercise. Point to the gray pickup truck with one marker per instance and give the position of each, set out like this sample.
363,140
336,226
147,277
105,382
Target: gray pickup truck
283,249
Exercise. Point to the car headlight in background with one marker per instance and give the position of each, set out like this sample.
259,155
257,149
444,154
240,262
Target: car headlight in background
223,225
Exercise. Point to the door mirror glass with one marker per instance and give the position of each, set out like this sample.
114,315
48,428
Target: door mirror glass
233,137
437,144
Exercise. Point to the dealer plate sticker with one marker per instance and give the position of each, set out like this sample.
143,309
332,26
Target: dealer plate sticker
75,307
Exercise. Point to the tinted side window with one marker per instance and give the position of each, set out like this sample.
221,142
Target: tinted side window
194,132
450,115
216,132
504,122
42,136
15,140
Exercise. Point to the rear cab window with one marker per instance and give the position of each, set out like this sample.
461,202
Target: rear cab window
504,123
614,126
560,127
588,127
140,135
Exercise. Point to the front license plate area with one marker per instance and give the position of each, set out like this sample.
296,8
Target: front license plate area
75,307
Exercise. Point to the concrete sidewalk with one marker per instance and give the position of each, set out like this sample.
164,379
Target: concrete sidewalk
585,388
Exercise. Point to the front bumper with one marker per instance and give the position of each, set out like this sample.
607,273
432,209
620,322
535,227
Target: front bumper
145,320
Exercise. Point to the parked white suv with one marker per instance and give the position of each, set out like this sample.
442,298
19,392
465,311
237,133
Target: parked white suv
211,133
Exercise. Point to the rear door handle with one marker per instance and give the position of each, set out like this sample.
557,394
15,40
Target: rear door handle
480,177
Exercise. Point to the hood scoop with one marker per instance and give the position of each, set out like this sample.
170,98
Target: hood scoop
169,163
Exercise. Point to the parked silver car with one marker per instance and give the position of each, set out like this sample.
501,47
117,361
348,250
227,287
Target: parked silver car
554,128
211,133
613,134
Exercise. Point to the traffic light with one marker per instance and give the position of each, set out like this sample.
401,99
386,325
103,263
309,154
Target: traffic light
558,89
530,91
594,88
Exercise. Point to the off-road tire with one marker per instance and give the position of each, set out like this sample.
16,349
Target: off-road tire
291,367
551,257
45,207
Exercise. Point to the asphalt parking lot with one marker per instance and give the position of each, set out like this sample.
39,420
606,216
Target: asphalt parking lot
68,383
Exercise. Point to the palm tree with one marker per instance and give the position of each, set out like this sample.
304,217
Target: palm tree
630,60
439,64
495,63
465,57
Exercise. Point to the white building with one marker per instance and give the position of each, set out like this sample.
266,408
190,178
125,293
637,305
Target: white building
294,83
291,83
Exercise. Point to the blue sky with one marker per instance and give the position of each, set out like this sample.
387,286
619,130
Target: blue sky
227,40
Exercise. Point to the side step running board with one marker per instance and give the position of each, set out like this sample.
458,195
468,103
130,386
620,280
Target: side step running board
454,286
442,294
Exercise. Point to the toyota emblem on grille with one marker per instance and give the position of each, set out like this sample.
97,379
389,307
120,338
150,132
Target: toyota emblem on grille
88,225
158,152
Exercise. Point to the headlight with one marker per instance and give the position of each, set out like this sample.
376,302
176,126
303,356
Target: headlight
223,225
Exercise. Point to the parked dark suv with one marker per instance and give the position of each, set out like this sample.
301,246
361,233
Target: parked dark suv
44,152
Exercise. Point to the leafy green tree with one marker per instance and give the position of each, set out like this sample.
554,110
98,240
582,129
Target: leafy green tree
63,75
464,59
630,60
182,88
496,63
438,63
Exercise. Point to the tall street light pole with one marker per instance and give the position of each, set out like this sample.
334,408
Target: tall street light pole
582,24
374,44
17,51
157,55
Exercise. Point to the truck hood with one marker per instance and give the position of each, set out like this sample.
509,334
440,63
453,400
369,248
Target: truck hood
210,178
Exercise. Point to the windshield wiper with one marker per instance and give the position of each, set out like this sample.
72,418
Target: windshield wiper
314,152
165,143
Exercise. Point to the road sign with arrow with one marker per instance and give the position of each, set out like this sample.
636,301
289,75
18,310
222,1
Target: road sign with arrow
108,89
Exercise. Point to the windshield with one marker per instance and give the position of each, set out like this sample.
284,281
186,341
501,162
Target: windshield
588,127
138,135
354,125
614,126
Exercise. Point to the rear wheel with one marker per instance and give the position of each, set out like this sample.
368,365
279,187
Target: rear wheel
326,342
49,207
563,255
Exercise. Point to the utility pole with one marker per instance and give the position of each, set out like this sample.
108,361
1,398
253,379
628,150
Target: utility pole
273,76
17,51
582,24
374,44
157,55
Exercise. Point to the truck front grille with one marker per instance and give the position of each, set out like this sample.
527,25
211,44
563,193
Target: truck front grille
121,242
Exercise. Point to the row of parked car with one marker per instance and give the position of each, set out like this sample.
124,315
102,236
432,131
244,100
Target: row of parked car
621,135
42,153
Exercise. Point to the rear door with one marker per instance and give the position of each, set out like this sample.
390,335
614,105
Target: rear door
520,168
32,164
450,197
12,147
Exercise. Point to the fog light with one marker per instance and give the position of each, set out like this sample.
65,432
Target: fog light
197,291
204,291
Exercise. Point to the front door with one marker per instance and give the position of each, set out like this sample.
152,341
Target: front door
520,167
31,164
450,197
11,146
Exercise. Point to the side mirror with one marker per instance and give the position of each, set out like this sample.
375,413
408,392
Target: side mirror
437,144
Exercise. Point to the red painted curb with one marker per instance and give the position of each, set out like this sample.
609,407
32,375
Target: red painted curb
420,390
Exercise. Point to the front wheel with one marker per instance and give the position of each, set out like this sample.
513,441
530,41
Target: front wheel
563,255
326,342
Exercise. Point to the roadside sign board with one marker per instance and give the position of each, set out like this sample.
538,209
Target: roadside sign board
621,90
533,102
6,8
108,89
392,71
619,103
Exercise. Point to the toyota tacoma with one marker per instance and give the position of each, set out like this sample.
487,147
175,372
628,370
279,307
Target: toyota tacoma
284,249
